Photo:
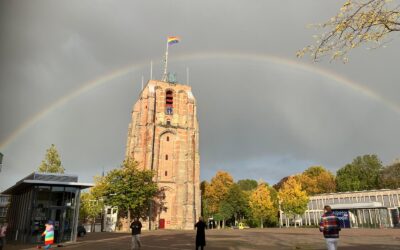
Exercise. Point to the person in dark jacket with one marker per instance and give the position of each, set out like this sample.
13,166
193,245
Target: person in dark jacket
201,234
136,227
330,226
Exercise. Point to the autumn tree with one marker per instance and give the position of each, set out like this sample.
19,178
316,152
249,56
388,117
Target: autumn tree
262,205
129,189
358,22
317,180
217,191
389,177
361,174
279,185
293,199
52,162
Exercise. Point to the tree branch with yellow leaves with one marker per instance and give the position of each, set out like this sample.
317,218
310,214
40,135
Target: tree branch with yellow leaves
359,22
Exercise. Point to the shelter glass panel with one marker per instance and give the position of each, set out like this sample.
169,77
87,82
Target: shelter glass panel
396,200
386,201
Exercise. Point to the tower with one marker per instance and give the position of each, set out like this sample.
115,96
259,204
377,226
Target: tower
164,136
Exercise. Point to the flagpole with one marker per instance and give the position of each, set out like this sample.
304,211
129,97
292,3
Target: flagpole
187,75
151,70
166,64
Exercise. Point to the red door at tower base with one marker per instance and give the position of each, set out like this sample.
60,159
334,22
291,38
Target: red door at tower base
161,224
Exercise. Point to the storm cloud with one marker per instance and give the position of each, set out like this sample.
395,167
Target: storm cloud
261,119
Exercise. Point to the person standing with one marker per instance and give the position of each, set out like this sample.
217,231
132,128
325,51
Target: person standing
201,233
48,235
3,229
136,227
330,226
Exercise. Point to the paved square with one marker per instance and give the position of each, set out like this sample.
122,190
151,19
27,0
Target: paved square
270,238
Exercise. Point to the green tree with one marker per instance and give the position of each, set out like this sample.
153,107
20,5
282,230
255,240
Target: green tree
389,177
52,162
90,208
239,201
247,184
293,199
262,205
225,212
130,189
204,204
358,22
361,174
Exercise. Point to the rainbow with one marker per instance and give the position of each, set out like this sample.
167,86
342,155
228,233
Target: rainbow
87,86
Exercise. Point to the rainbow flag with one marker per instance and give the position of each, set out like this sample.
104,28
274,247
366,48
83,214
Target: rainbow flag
173,39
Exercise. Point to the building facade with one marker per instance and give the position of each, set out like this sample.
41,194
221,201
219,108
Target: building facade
164,136
358,209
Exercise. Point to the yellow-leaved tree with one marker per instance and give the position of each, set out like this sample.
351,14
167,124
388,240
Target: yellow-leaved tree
292,198
261,204
217,191
358,22
317,180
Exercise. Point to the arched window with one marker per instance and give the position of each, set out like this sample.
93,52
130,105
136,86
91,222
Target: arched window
166,157
166,173
169,102
167,138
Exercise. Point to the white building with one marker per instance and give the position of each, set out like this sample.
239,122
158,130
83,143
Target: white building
358,209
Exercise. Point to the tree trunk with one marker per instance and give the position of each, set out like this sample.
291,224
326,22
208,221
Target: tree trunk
93,225
262,223
223,223
129,217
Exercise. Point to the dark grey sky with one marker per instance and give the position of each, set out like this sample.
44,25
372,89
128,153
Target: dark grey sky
259,117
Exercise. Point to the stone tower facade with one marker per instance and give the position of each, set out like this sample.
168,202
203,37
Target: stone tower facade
164,136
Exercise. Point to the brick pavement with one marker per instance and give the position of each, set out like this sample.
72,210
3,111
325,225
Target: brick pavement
269,238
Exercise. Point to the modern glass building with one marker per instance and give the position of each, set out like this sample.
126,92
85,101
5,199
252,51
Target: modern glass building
358,209
41,197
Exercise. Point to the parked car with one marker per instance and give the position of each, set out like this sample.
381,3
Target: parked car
81,231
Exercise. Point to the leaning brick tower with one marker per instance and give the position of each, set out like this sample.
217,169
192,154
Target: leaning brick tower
164,136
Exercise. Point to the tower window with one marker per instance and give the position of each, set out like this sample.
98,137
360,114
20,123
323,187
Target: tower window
168,123
167,138
166,173
166,157
169,102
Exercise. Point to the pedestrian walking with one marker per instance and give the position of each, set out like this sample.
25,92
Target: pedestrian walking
48,235
330,226
201,234
3,229
136,227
